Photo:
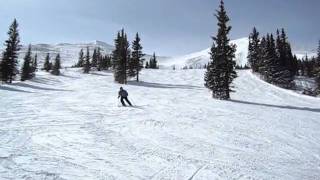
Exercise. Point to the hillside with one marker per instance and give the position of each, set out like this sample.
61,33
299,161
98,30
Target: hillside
199,59
72,127
69,52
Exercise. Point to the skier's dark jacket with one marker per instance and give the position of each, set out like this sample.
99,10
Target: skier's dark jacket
123,93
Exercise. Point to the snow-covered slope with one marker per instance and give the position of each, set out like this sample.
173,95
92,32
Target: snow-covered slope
68,52
199,59
71,127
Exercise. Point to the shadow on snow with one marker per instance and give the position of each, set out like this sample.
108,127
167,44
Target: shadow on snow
277,106
164,86
6,88
38,87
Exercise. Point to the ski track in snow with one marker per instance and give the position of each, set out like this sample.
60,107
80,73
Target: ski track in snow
71,127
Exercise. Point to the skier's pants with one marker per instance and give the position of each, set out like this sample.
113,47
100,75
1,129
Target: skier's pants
127,100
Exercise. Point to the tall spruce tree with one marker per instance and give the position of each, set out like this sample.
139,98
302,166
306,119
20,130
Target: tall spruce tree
47,65
221,70
99,59
10,55
262,69
286,56
56,66
318,69
35,64
254,50
105,62
153,63
120,57
81,59
136,61
94,61
276,73
27,68
87,64
318,55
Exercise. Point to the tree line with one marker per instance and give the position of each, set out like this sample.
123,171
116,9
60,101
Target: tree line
97,61
125,62
273,59
270,56
9,61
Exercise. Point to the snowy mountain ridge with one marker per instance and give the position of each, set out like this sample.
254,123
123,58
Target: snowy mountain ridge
199,59
69,53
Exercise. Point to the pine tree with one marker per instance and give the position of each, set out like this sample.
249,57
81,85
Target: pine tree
99,59
87,65
35,64
286,57
47,65
120,57
318,55
153,63
57,66
276,73
254,50
221,70
94,61
136,62
10,55
105,62
317,71
27,69
81,59
262,68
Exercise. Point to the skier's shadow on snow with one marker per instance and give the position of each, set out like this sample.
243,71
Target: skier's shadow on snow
6,88
38,87
98,74
277,106
164,86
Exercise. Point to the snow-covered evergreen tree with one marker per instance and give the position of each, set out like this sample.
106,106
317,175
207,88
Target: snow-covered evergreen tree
47,65
221,70
153,63
136,62
275,72
95,57
87,64
35,64
318,55
27,69
254,50
9,61
120,57
56,66
99,59
80,59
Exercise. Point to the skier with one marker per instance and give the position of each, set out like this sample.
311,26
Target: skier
124,96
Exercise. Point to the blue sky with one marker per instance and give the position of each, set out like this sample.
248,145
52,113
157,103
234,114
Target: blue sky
168,27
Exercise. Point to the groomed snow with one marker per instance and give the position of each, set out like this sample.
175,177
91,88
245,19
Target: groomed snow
71,127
